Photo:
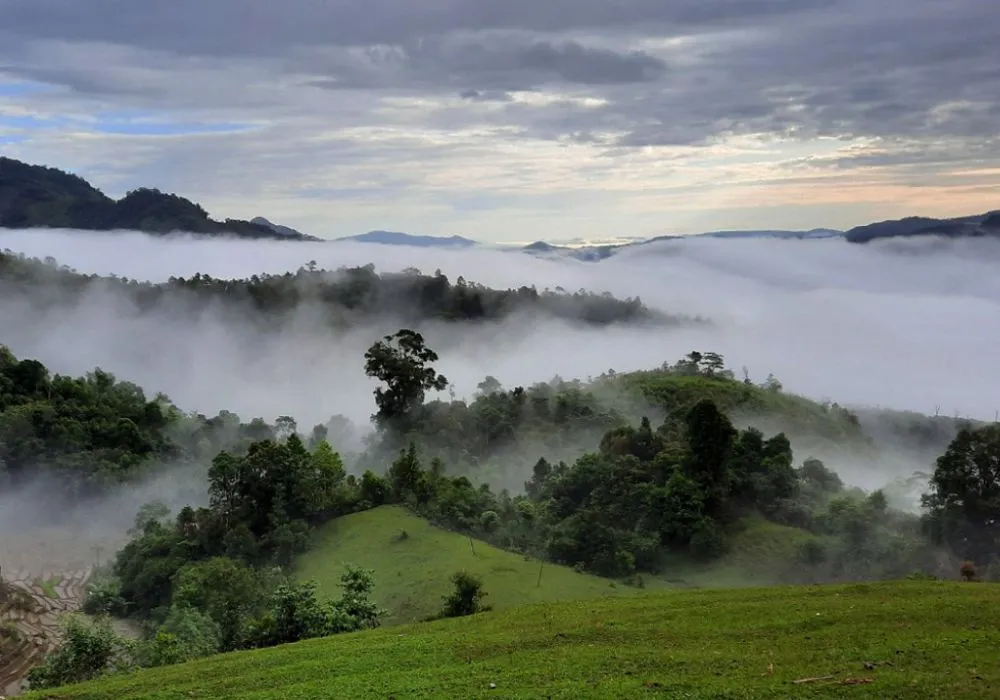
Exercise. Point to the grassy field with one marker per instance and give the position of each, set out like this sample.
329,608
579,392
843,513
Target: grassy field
889,640
412,574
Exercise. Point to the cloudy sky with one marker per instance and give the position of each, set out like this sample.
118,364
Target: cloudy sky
516,119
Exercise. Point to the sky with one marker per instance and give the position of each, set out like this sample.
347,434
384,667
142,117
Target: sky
517,120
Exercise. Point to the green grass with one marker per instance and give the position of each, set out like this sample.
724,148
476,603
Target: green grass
412,574
888,640
760,554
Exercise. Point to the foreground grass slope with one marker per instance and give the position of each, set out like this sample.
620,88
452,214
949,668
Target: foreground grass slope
412,573
888,640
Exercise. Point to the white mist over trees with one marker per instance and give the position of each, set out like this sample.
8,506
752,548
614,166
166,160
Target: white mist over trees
902,324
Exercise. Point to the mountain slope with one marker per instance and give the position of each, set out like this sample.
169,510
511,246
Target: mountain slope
913,640
412,573
33,196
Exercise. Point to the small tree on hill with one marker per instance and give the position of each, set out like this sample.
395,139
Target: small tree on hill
467,598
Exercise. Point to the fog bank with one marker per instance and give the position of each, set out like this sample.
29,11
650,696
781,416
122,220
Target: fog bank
902,324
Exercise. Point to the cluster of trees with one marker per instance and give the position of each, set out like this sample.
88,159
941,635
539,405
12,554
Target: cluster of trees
645,496
90,430
94,432
219,605
33,196
344,297
963,503
212,578
684,487
511,426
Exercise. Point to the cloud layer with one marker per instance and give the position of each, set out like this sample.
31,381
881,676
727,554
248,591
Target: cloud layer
903,325
517,120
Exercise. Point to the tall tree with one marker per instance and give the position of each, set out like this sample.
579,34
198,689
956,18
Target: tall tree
403,362
710,437
964,501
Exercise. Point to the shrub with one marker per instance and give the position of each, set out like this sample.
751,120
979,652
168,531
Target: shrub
104,598
87,651
186,634
467,598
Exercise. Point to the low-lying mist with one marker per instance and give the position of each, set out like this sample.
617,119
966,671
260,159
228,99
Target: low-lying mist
901,324
43,530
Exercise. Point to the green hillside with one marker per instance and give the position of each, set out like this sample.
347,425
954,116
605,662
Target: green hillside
795,414
412,574
890,640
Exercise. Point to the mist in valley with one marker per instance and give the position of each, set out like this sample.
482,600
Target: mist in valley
904,325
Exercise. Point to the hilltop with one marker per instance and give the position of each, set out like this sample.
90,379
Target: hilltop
975,226
413,569
34,196
887,640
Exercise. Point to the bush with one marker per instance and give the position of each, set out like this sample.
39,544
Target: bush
87,651
186,634
295,613
104,598
467,598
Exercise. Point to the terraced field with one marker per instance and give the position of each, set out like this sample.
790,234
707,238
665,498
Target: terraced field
31,606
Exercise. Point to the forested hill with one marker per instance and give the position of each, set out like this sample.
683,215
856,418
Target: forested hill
342,297
34,196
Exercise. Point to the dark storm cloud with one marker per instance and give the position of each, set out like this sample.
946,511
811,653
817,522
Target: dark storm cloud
488,63
240,27
800,69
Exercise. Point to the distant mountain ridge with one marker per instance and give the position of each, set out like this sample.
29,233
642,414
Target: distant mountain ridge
975,226
35,196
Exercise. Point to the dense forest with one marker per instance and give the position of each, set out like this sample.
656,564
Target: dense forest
34,196
216,577
339,298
